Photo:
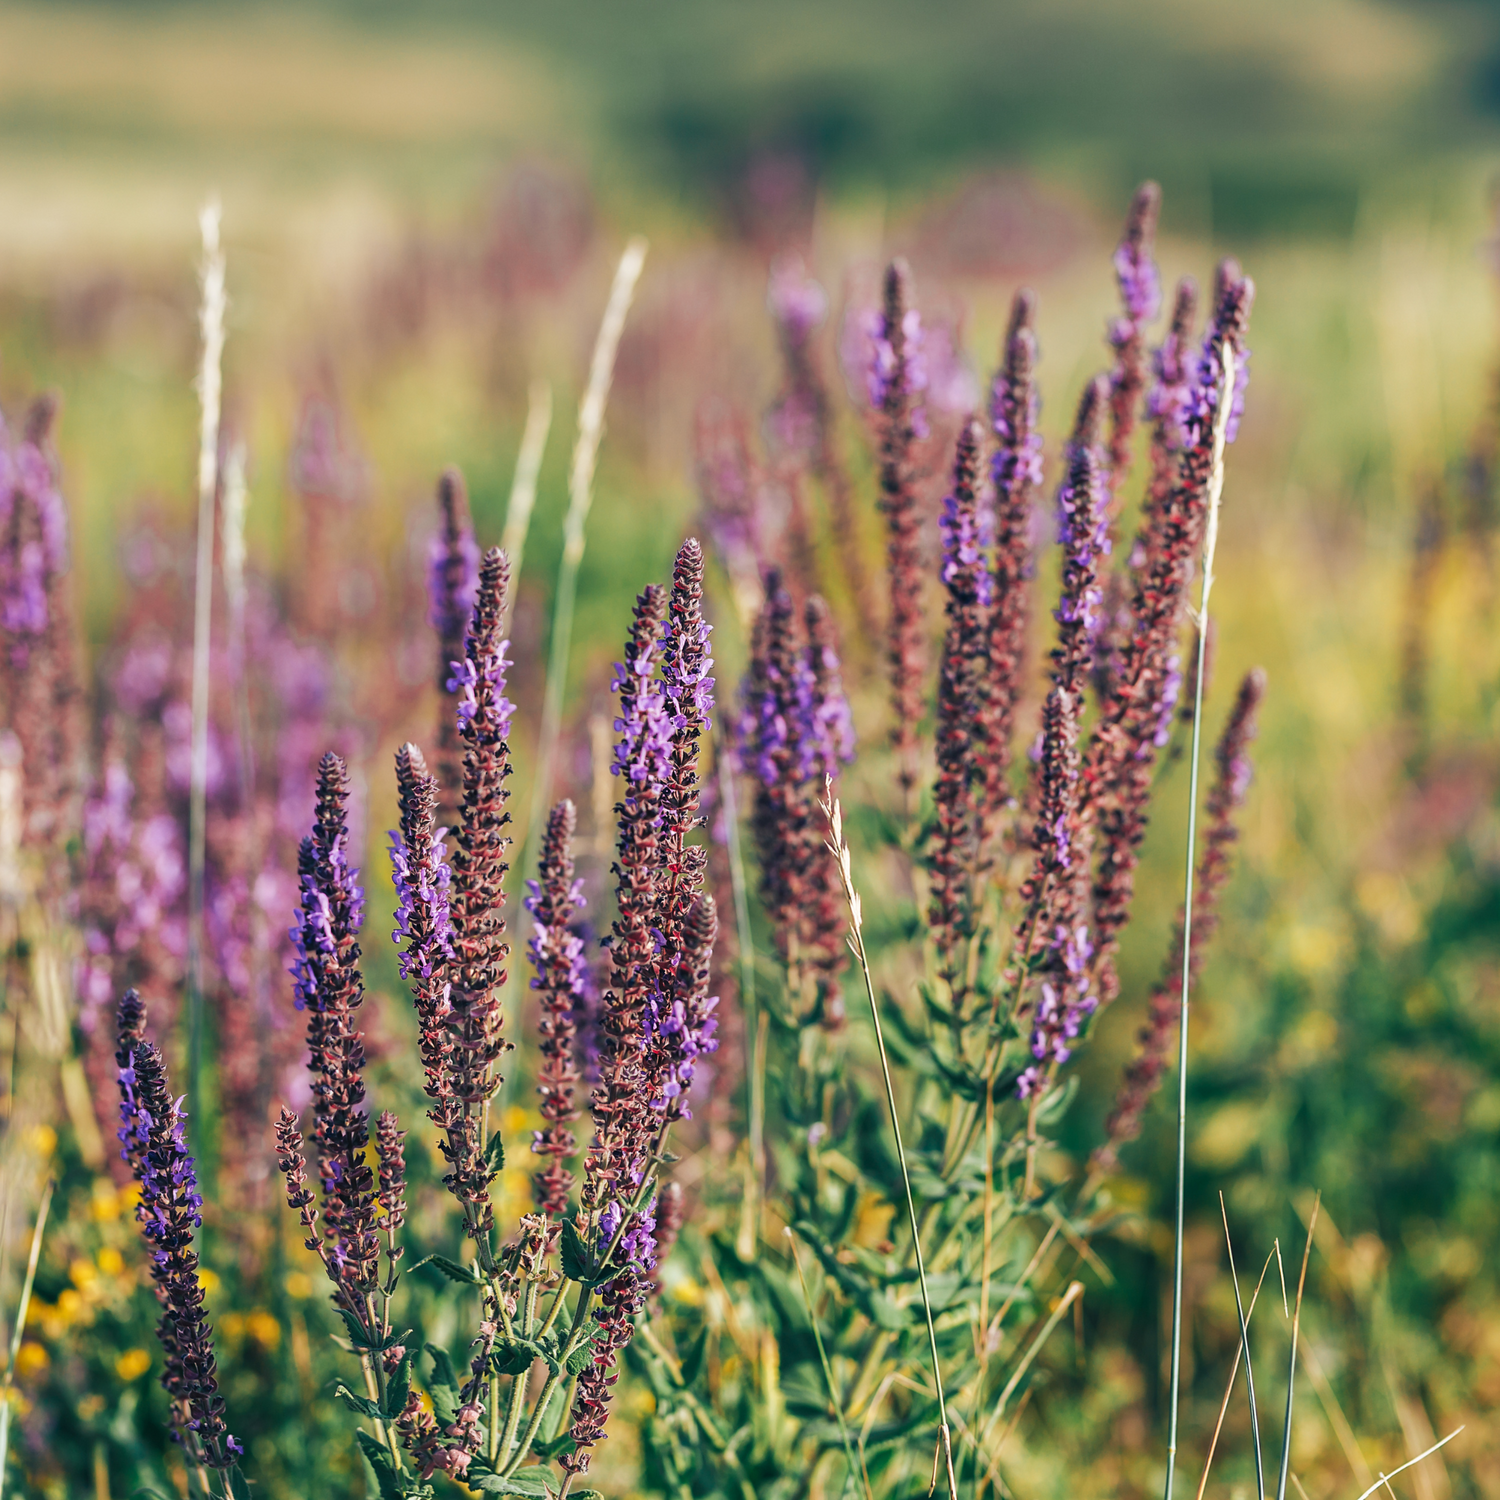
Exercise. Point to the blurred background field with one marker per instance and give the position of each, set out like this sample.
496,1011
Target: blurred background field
423,207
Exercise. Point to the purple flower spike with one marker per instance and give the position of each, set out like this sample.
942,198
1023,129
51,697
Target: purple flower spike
422,879
168,1211
1083,534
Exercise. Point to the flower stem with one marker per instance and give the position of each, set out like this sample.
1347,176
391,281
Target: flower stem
1210,541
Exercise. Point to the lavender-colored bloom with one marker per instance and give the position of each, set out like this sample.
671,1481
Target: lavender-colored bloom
1135,268
452,580
494,665
643,752
33,542
1202,406
331,989
1171,691
797,302
679,1020
637,1247
1083,534
168,1211
828,740
963,546
424,884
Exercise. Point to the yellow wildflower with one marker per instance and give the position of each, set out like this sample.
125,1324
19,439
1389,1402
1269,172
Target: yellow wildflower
132,1364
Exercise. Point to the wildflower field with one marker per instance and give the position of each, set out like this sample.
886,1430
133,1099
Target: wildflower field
646,660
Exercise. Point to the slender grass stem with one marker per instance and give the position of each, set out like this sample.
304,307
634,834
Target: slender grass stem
523,487
580,498
833,1390
16,1333
755,1030
210,396
1291,1373
1260,1473
840,851
1074,1291
1234,1370
1411,1462
1210,544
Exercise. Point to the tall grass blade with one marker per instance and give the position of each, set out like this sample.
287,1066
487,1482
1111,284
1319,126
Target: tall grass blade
580,498
1074,1291
20,1328
1385,1479
1260,1472
1291,1373
840,851
1210,544
1234,1371
210,397
755,1162
523,486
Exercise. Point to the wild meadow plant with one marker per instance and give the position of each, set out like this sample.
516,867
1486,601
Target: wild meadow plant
885,1264
988,973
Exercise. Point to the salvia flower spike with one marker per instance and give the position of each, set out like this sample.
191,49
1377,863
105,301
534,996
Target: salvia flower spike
1231,782
168,1211
1016,475
479,864
896,378
554,899
452,583
963,674
1140,301
330,988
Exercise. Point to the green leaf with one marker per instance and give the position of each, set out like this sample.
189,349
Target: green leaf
398,1388
1055,1105
512,1356
692,1361
534,1483
362,1404
885,1313
443,1386
577,1263
494,1155
583,1356
555,1448
464,1275
379,1461
239,1486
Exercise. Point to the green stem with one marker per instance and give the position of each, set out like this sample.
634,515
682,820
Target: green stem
857,943
1210,540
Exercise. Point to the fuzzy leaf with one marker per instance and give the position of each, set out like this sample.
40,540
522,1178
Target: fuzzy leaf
361,1404
582,1357
379,1461
532,1482
577,1263
398,1388
442,1386
464,1275
494,1155
511,1356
